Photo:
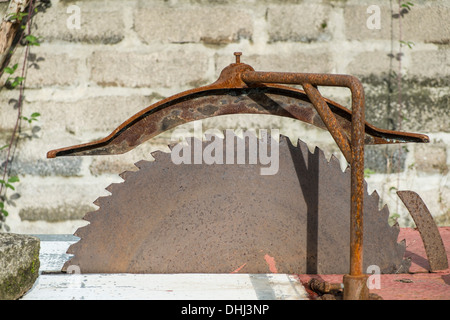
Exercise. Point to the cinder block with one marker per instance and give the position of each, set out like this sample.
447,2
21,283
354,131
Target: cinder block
424,103
431,158
174,68
303,23
51,69
356,17
98,23
370,63
430,64
8,110
98,115
385,159
428,23
206,24
422,23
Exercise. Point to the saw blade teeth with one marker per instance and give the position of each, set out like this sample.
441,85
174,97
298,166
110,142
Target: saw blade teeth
347,170
112,187
320,153
126,174
384,212
375,195
302,146
100,201
160,155
141,164
81,232
72,249
334,161
172,145
90,215
284,140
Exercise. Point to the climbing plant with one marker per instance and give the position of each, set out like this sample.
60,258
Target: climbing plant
16,28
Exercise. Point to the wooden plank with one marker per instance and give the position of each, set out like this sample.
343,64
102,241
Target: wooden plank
167,287
52,284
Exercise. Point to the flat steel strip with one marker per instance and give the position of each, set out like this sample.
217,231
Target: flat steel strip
432,241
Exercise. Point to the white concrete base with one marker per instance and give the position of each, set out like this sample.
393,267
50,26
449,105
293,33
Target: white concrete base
52,285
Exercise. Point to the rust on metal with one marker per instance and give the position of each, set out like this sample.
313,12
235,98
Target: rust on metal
219,218
355,155
324,286
195,104
265,93
434,247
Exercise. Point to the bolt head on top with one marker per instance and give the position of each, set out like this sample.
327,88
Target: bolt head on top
238,56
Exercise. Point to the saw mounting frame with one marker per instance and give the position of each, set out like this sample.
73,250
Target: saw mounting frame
348,128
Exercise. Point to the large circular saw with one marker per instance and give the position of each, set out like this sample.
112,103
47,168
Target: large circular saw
173,216
225,216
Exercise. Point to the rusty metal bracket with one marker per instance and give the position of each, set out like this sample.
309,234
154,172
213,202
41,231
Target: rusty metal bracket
348,128
432,241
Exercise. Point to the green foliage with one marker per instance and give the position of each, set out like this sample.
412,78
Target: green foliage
11,70
410,44
10,180
407,5
17,16
393,218
12,82
32,118
7,184
368,172
32,40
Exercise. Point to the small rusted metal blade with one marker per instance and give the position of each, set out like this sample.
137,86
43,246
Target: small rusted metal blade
432,241
222,218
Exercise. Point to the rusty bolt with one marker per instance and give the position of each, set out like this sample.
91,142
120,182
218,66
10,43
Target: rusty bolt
238,56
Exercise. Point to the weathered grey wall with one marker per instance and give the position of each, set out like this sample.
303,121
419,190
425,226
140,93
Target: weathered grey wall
129,54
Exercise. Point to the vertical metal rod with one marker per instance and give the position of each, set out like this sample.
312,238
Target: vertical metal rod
356,280
329,119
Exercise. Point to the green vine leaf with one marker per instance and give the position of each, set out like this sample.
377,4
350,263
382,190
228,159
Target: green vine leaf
2,209
32,40
11,70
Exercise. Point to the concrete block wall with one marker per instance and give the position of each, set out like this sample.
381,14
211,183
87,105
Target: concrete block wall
129,54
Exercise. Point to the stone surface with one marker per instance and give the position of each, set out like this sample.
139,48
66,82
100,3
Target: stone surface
64,167
370,63
385,158
98,23
430,64
151,69
424,102
59,213
303,23
431,159
193,24
355,19
19,264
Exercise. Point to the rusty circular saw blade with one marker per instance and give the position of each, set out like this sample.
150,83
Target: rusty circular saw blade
223,218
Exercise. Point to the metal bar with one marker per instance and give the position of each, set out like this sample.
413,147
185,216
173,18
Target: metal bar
357,288
432,241
331,123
